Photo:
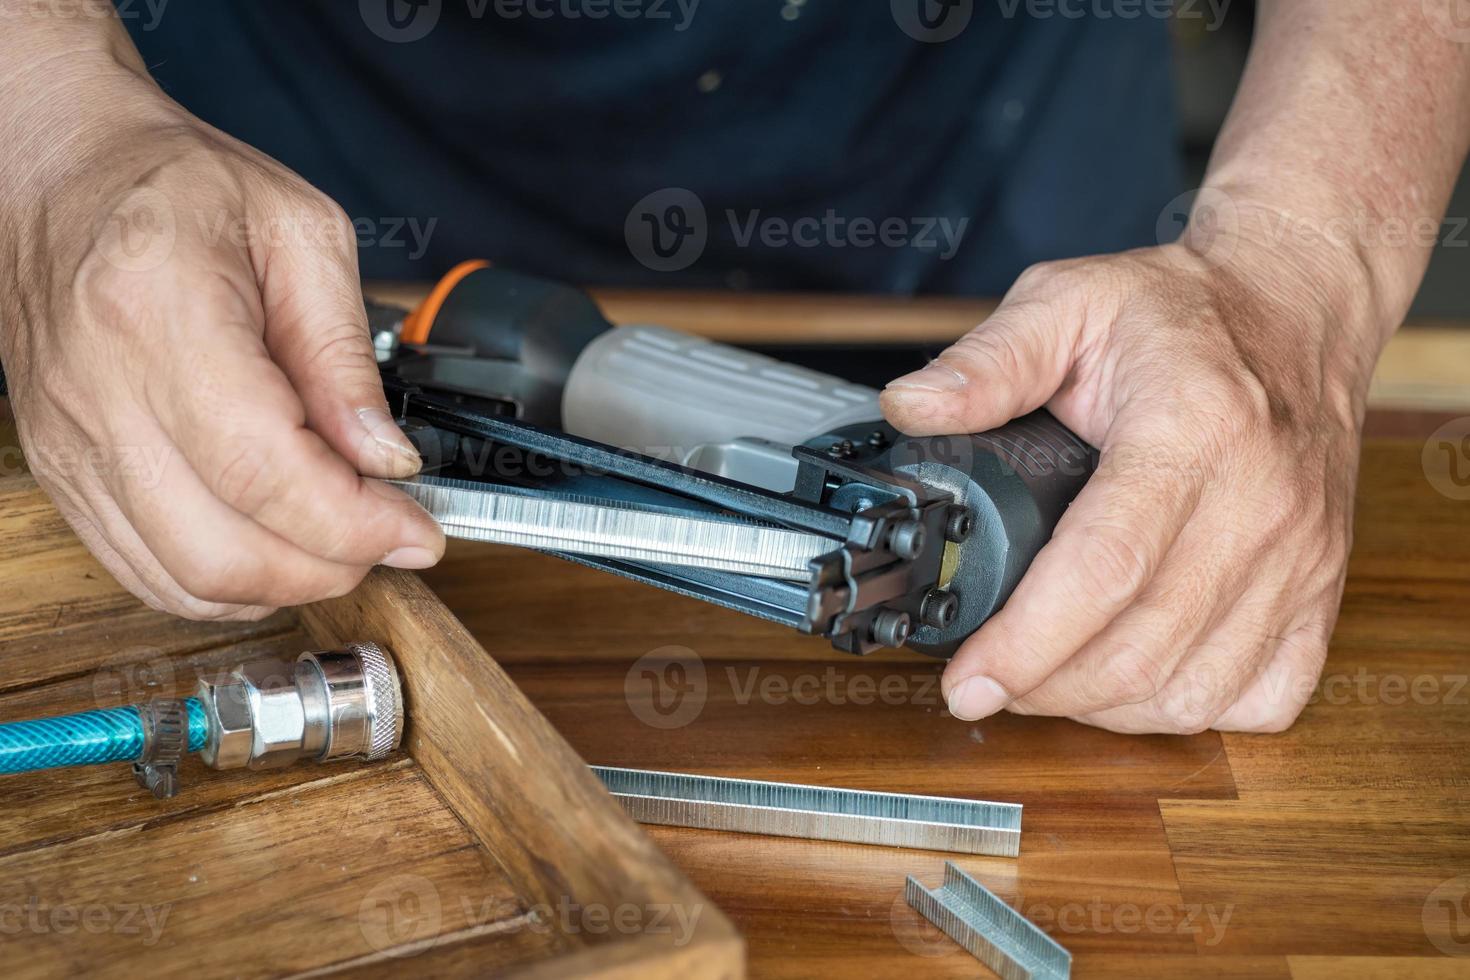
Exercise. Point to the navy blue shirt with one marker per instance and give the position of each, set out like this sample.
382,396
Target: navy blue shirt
811,145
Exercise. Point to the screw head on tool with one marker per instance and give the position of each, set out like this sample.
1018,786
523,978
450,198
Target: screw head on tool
891,627
959,525
907,539
939,608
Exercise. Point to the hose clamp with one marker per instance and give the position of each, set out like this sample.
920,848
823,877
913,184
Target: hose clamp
165,739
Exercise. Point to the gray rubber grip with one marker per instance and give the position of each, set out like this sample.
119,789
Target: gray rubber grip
670,395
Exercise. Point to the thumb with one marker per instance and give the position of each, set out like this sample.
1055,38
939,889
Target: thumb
1009,365
317,333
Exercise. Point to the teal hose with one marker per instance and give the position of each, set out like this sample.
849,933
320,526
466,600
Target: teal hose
108,735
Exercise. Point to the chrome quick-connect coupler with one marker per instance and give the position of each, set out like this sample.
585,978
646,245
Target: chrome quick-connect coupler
338,704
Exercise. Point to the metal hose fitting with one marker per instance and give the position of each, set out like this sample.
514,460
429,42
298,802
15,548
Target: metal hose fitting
338,704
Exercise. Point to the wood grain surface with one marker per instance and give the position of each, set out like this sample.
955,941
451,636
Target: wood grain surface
1339,848
524,794
485,847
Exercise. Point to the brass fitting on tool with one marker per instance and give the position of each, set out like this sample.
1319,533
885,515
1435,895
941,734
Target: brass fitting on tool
338,704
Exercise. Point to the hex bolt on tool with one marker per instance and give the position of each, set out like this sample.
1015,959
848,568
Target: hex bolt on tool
336,704
712,471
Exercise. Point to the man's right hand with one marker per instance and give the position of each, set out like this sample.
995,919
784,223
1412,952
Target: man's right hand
183,332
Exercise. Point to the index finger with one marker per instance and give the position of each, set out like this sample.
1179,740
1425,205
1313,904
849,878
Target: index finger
242,427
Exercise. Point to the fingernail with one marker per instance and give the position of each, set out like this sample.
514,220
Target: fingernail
977,697
938,376
386,434
412,558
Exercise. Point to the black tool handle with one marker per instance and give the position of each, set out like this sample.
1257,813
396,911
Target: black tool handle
1016,481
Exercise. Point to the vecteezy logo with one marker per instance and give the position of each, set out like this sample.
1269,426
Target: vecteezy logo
400,21
1450,19
912,454
932,21
1211,219
915,933
133,676
1447,916
398,914
667,230
137,233
1446,459
666,688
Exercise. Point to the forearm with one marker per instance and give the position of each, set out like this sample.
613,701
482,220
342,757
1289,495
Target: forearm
65,83
1343,144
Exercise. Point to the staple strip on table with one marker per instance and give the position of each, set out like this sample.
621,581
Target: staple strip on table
993,932
816,812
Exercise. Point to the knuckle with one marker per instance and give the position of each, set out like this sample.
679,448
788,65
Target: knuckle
1129,675
1235,408
1193,699
341,543
57,388
205,611
1070,287
1266,715
1311,643
1032,704
1188,717
348,580
986,353
208,580
343,350
336,224
1298,508
1115,564
1040,274
106,292
245,479
1291,511
1033,274
331,585
1325,561
1277,719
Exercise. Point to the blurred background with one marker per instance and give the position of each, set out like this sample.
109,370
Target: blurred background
1035,140
564,146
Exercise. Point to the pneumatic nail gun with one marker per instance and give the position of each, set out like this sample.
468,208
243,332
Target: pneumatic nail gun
713,471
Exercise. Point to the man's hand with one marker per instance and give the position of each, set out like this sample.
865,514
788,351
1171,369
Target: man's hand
184,336
1195,580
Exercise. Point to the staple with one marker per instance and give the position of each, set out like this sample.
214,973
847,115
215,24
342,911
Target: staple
615,529
993,932
816,812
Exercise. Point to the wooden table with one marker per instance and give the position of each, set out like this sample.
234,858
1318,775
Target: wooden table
1338,849
1322,852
